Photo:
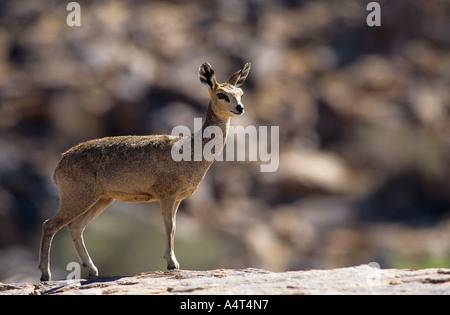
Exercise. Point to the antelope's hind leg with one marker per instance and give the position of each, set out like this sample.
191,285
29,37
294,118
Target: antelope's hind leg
71,207
49,229
76,229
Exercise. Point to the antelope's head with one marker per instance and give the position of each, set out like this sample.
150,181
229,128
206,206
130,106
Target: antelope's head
225,97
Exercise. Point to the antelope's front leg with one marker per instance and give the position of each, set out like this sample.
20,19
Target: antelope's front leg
169,211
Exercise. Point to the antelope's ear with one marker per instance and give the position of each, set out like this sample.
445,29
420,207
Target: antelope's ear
238,78
207,76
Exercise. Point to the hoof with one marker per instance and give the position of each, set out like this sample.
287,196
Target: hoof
174,266
45,277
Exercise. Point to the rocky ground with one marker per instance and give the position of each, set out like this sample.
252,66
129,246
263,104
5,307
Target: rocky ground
363,279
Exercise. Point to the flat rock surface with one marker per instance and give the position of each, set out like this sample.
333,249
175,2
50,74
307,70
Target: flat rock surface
362,279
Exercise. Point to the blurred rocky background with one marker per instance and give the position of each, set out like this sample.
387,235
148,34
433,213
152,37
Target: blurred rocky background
364,172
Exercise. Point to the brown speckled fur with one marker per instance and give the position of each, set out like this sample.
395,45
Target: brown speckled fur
92,174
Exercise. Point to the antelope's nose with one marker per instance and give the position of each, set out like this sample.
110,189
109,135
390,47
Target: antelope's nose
240,108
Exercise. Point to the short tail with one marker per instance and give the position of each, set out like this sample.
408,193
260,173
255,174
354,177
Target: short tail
54,178
54,174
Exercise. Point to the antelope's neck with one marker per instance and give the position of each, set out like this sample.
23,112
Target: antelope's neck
211,137
213,120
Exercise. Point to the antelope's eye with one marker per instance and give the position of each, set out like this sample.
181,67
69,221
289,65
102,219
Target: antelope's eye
222,96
